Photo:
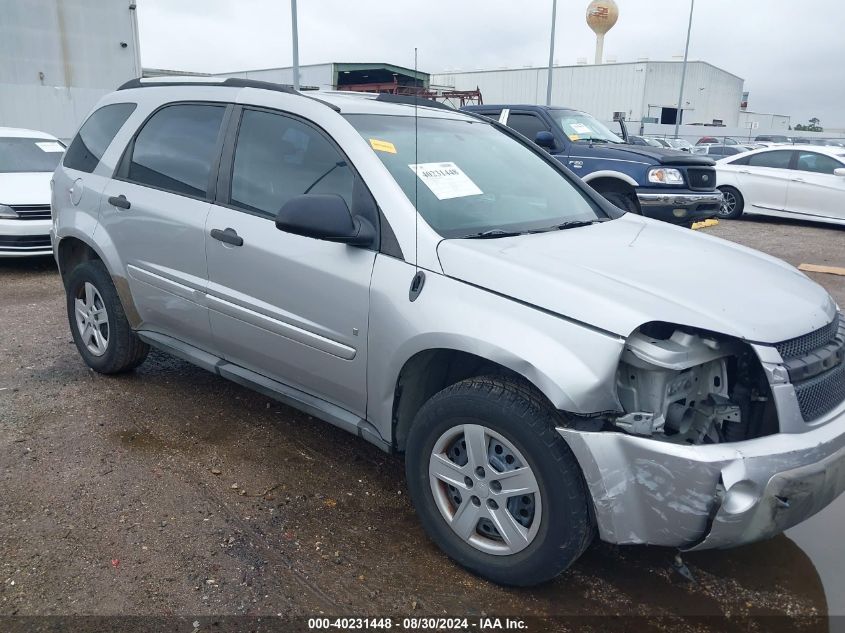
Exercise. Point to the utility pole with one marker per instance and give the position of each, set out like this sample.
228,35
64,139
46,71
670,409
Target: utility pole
295,38
680,112
551,54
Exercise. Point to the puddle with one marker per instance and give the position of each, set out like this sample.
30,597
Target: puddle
820,537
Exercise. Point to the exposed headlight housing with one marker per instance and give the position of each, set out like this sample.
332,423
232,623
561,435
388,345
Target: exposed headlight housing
7,213
665,176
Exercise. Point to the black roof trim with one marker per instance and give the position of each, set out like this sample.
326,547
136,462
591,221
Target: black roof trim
412,100
230,82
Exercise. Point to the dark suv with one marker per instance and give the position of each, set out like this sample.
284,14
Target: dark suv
660,183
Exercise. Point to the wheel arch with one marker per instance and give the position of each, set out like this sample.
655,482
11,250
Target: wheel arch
615,180
74,249
429,371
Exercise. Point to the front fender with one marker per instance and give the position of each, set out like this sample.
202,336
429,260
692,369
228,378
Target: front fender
572,364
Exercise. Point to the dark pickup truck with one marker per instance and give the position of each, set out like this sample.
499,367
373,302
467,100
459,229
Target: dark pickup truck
665,184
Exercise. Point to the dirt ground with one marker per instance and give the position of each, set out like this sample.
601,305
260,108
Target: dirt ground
173,491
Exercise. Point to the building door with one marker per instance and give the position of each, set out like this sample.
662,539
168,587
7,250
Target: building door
668,116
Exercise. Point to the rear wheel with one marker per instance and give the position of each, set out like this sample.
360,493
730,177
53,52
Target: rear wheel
494,484
732,203
98,324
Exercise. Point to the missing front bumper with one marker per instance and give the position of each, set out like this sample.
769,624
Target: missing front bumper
709,496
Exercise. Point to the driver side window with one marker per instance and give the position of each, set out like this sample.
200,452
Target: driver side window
278,157
527,124
817,163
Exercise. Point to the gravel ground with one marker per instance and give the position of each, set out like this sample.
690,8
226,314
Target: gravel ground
172,491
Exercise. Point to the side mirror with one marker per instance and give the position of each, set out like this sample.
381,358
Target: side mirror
839,172
325,217
545,139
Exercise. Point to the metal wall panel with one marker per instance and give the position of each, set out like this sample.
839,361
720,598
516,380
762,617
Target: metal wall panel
58,57
632,88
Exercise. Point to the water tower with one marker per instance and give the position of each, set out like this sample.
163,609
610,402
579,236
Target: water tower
601,17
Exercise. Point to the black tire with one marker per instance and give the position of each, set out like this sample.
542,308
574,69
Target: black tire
124,350
625,201
519,414
732,205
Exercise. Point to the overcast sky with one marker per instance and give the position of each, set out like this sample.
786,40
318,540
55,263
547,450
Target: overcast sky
791,54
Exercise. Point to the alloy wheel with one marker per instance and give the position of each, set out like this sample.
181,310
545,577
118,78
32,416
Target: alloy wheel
728,204
92,319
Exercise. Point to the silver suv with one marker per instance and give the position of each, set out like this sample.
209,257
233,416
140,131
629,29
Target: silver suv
550,367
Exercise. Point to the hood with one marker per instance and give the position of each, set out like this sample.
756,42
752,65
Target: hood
657,155
621,274
25,188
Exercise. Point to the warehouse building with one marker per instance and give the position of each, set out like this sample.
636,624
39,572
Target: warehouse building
763,121
371,77
643,90
58,58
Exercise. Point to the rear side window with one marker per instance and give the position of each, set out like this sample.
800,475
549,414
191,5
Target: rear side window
778,159
490,114
277,158
176,148
96,135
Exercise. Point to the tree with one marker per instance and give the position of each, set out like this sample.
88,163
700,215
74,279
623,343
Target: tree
812,126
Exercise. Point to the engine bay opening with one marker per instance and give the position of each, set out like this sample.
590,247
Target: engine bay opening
689,387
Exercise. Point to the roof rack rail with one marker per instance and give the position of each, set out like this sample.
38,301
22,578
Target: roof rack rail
229,82
412,100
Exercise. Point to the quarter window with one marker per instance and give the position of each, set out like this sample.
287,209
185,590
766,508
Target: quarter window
95,136
278,157
778,159
175,150
817,163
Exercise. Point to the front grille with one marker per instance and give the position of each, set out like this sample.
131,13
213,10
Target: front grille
33,211
821,394
24,242
803,345
701,178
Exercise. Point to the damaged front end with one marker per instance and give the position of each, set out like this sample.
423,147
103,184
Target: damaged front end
677,388
697,456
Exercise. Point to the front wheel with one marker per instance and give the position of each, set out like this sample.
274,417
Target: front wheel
732,203
625,201
494,484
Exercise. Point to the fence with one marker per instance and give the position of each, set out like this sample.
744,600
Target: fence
694,132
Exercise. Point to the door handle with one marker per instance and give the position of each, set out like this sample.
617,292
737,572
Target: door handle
798,180
120,202
228,235
744,171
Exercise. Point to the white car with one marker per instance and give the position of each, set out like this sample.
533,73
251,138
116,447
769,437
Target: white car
802,181
27,161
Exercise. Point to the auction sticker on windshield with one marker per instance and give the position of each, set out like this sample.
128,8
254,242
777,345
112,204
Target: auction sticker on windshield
445,180
580,128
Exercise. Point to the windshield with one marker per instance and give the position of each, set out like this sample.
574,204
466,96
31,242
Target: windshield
19,155
581,127
470,178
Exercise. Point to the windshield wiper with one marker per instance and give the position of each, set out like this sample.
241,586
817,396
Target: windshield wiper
492,234
574,224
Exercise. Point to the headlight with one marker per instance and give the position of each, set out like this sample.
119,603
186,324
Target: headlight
7,213
664,176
